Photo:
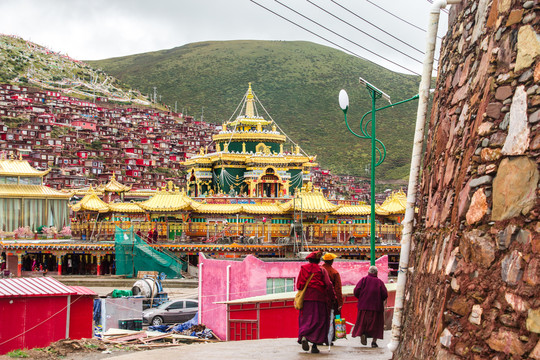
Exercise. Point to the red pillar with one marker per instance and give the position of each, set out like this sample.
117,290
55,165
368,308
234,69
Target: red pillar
98,256
59,263
19,265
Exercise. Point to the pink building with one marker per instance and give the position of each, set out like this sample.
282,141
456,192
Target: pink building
84,124
225,280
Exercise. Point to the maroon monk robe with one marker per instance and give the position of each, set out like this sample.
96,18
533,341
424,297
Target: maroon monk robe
314,318
371,293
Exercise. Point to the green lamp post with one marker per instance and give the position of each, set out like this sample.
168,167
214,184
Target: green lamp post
375,94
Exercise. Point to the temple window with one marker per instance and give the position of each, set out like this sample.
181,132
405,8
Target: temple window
279,285
30,181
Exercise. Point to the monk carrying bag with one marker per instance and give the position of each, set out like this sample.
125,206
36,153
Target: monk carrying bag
299,298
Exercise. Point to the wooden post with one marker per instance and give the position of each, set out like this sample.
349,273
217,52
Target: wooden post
98,257
59,263
19,265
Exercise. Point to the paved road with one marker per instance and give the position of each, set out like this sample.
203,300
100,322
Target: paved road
282,349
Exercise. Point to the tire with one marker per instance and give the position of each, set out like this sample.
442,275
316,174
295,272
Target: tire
157,320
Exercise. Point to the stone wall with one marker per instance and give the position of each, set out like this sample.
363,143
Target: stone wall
473,288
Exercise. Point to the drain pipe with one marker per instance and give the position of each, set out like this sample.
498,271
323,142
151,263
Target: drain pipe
415,167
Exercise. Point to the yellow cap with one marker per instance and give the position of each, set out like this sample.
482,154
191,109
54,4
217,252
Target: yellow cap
329,256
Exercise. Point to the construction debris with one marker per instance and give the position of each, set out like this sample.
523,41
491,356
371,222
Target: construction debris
153,339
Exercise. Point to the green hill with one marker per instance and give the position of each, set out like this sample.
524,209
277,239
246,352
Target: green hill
23,62
297,82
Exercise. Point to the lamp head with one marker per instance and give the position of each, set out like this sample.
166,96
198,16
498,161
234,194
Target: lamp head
343,101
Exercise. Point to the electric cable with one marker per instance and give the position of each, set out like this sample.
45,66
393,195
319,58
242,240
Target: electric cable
397,17
343,37
363,32
333,43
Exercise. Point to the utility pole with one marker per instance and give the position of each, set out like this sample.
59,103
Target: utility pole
202,113
155,94
176,106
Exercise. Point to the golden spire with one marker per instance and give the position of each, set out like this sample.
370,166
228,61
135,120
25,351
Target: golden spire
249,104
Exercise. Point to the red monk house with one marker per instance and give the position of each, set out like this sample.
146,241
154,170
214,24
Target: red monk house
274,316
38,311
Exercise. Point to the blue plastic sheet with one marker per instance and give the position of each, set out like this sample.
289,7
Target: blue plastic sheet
178,328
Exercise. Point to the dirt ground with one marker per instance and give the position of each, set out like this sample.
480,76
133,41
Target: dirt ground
92,349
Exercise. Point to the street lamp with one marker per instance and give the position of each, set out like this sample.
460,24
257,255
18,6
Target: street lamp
375,94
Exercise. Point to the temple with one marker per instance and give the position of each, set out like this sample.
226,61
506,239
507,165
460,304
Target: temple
25,201
250,159
249,197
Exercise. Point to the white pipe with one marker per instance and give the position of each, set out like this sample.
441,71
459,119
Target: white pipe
228,282
228,295
415,167
68,315
200,289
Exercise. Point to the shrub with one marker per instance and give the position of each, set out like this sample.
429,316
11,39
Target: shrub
66,231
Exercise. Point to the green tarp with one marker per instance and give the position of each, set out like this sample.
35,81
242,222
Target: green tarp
133,254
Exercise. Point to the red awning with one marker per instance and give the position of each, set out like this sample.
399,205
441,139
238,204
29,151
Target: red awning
81,290
42,286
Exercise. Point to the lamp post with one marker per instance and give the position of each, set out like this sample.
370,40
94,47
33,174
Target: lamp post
375,94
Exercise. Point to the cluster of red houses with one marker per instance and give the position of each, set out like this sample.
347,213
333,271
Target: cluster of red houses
86,142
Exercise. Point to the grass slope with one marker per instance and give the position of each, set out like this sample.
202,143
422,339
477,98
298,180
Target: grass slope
297,82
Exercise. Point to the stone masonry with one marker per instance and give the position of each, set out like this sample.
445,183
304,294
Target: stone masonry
473,290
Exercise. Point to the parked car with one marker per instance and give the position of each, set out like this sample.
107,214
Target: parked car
170,312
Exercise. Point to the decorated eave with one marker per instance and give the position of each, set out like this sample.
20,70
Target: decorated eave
250,158
113,186
91,202
240,248
167,200
48,246
249,135
310,202
19,167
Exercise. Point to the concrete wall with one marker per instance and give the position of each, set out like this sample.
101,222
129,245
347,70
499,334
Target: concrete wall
248,278
473,290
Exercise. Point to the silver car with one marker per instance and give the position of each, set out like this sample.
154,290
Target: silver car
171,312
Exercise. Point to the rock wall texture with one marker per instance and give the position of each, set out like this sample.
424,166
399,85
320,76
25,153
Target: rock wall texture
473,290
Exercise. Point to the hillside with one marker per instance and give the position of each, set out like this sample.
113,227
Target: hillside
23,62
297,82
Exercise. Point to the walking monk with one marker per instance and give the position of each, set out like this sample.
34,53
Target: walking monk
371,293
335,278
314,318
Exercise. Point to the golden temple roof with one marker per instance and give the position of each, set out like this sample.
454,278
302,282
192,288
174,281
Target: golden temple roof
395,203
169,200
125,207
32,191
19,167
359,210
219,208
354,210
113,186
262,209
310,201
91,202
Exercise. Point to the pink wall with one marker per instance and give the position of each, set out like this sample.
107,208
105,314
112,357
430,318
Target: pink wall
248,278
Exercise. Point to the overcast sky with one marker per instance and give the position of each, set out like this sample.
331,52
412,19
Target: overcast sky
99,29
